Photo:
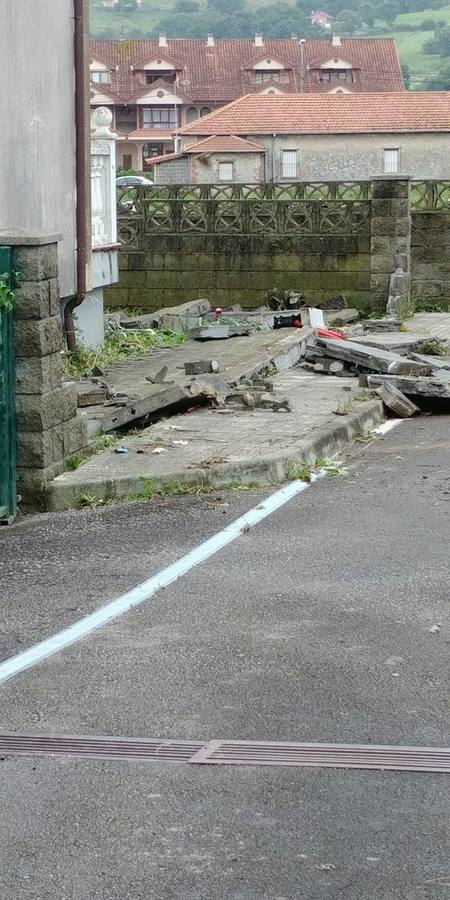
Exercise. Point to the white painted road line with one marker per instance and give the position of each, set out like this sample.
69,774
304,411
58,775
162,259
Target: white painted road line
148,589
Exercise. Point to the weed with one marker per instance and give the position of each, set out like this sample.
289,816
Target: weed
363,438
120,343
433,348
300,473
103,442
90,501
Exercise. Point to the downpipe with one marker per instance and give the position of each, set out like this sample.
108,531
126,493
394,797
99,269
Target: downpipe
81,154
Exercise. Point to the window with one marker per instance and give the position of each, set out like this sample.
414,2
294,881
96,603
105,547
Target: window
273,75
205,111
289,163
160,117
151,150
127,161
125,118
391,160
226,171
100,77
191,114
165,74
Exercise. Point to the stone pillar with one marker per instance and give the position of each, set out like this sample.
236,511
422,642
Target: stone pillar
48,430
390,244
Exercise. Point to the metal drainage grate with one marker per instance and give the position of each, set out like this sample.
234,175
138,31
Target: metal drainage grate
340,756
100,747
235,753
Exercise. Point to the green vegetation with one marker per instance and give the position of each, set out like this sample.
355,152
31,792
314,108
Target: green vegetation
103,442
120,343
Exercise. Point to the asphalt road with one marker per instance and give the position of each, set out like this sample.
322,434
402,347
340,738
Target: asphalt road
313,626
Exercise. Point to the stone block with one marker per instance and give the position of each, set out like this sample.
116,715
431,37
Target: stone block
37,450
74,435
32,483
116,297
379,283
383,225
400,208
54,297
402,227
382,264
382,207
36,263
32,300
390,188
38,374
38,337
46,411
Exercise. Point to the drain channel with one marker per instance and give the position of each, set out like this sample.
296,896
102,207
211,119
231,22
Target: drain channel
236,753
347,756
100,747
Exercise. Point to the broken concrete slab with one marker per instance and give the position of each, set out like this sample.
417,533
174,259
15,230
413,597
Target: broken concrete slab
90,394
157,404
340,317
401,342
432,387
396,401
437,363
218,332
368,357
162,317
383,325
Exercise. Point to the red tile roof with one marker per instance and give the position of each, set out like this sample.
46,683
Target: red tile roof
150,134
167,157
216,75
224,144
328,113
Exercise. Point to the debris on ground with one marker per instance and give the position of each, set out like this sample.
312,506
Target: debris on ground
389,362
158,377
201,367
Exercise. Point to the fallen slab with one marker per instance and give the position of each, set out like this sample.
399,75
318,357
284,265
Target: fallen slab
433,387
396,401
158,403
89,393
403,342
436,362
367,357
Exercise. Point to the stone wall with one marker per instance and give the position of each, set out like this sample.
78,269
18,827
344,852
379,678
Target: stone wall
430,258
235,243
48,430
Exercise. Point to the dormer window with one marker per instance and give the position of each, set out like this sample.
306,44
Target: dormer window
272,75
101,77
156,74
336,75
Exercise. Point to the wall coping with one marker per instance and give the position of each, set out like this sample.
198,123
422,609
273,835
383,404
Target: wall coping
26,238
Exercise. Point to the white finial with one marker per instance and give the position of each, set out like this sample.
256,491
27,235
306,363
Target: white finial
101,119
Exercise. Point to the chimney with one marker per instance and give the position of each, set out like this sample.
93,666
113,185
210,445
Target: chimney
294,37
259,40
336,42
162,41
210,40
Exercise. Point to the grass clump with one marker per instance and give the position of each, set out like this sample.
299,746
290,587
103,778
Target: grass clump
103,442
120,343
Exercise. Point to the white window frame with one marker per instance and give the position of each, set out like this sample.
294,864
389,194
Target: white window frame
391,165
289,169
100,77
230,164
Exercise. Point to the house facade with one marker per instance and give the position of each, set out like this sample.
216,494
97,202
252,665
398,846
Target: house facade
155,88
315,138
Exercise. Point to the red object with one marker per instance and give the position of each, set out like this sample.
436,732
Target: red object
326,333
297,323
219,312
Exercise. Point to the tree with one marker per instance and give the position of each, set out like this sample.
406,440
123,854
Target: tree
186,6
440,81
439,44
128,6
348,21
367,13
231,7
406,72
387,12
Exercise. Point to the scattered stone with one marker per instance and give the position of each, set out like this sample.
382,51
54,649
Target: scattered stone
396,401
247,399
371,358
97,371
159,376
340,317
435,629
201,366
218,332
381,325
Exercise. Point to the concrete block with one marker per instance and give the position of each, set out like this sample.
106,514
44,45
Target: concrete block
37,450
54,297
383,225
32,483
38,337
38,375
46,411
390,188
36,263
382,264
32,300
74,435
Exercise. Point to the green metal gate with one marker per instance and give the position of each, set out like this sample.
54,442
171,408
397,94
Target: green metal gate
7,401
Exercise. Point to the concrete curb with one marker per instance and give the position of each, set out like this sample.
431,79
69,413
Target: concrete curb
326,441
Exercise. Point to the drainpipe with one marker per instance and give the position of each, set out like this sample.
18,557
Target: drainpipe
273,158
83,196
